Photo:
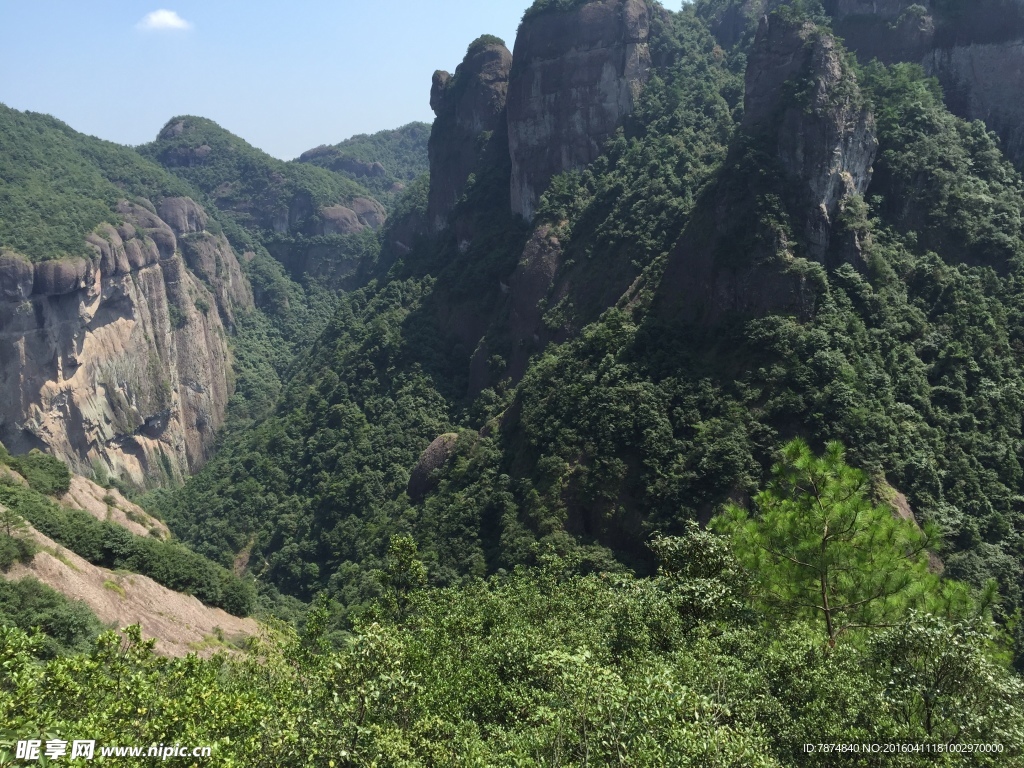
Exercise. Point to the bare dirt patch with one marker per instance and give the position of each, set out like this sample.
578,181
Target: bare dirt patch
109,505
180,623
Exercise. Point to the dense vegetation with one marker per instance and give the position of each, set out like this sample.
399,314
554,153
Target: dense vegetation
44,473
543,594
545,667
639,424
57,185
243,180
401,153
320,479
59,625
391,371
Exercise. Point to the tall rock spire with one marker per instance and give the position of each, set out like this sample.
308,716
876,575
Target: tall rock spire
468,105
576,75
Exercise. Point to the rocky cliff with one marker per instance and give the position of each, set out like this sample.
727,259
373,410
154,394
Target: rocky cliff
810,138
985,82
121,359
976,49
470,107
824,139
575,75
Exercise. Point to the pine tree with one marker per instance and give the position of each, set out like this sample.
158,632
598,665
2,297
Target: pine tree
818,548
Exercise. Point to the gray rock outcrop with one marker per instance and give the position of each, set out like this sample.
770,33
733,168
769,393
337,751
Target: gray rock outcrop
422,479
575,75
469,105
732,258
359,214
976,49
985,82
826,143
121,359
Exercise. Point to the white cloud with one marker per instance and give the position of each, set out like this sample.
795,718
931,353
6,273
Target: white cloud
163,19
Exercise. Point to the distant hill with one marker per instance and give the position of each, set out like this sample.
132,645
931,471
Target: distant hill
57,185
384,162
259,190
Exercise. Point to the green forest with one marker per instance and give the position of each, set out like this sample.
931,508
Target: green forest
659,531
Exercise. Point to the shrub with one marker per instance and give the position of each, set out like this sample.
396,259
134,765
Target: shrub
43,472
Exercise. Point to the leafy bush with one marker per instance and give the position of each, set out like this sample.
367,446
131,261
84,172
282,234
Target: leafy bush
543,6
541,667
66,625
46,474
15,549
482,42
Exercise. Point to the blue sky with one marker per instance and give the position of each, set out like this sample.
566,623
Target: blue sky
284,76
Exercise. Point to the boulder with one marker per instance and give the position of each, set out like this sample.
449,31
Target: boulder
436,455
339,220
182,214
16,277
370,212
59,277
152,226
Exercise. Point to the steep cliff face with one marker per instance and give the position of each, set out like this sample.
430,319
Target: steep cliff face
209,256
470,107
575,75
824,140
985,82
808,130
122,358
976,50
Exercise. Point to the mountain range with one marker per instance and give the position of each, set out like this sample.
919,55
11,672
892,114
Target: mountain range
489,381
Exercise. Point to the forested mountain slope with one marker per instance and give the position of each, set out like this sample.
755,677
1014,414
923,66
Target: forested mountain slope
74,553
317,223
115,292
812,248
675,419
384,162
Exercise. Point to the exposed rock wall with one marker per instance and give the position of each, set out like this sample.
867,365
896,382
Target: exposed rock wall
575,75
975,49
986,82
976,52
468,105
360,213
804,117
208,256
122,359
825,141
